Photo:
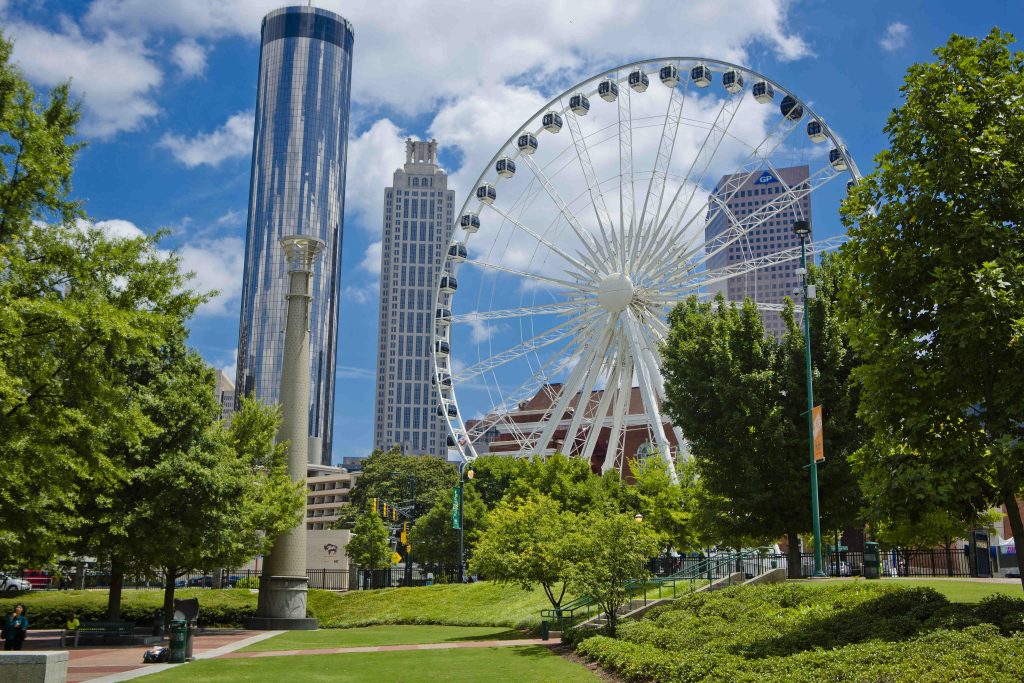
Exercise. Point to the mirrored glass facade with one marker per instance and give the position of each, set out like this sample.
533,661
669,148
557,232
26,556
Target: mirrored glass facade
297,187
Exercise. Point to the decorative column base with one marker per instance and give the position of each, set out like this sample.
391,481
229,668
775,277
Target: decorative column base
285,606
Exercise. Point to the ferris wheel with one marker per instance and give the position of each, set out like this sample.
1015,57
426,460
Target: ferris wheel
626,194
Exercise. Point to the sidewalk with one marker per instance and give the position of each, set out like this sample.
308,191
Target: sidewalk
111,664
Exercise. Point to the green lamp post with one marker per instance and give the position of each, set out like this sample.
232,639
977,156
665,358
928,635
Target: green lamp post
802,229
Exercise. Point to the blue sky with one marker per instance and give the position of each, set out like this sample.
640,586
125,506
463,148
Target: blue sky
168,90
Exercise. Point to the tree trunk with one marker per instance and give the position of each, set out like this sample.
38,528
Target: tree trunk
116,582
1016,528
793,559
170,574
218,578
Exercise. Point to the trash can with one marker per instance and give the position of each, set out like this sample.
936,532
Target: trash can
872,561
179,641
545,630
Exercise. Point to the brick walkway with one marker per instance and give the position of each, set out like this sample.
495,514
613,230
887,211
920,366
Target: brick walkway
111,664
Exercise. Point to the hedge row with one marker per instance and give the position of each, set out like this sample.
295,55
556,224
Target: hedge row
217,608
850,632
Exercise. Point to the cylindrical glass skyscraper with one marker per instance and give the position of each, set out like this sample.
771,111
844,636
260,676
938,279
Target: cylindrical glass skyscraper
299,151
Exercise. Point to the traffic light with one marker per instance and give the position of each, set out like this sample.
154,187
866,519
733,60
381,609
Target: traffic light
394,513
385,510
404,537
374,506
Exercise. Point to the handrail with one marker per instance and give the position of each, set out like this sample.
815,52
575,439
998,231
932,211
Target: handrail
707,567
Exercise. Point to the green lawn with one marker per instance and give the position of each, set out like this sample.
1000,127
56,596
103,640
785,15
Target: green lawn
968,590
380,635
475,604
531,664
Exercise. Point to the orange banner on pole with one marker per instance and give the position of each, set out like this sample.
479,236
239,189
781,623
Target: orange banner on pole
819,438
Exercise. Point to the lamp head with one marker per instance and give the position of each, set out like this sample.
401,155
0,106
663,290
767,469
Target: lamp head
801,228
469,474
638,518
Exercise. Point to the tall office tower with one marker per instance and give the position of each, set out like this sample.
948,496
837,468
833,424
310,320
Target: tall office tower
225,393
418,222
745,196
299,149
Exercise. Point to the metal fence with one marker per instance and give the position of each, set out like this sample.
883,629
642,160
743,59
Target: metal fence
896,562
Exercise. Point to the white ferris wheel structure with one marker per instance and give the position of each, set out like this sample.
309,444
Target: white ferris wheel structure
589,224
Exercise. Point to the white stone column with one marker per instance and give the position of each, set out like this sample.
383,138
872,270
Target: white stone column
282,599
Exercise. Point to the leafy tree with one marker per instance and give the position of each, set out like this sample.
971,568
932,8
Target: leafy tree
369,546
568,481
386,476
37,153
738,396
494,475
433,539
80,311
613,551
666,507
530,542
936,307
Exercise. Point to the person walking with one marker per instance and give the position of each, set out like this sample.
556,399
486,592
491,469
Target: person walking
16,628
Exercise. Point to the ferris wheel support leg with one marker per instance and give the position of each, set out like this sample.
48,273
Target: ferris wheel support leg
571,386
588,383
597,424
621,406
647,393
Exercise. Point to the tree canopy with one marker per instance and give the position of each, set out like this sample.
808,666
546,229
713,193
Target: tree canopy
936,305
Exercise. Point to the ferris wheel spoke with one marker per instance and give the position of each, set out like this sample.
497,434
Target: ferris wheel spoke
566,329
770,211
597,255
524,391
604,220
553,416
663,158
676,211
547,243
626,201
524,311
578,286
588,385
725,192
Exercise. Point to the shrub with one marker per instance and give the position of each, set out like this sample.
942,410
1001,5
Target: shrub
843,632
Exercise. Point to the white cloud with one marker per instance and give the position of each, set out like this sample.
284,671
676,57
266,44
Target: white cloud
481,331
373,157
231,217
371,259
217,265
361,295
349,372
227,364
232,140
895,36
114,75
118,228
441,60
190,57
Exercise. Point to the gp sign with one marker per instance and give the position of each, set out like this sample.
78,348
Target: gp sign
766,178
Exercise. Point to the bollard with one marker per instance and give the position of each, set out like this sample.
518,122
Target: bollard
545,630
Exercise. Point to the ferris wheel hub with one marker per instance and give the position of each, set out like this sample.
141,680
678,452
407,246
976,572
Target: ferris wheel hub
615,292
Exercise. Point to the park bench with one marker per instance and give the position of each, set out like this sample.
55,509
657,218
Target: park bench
100,629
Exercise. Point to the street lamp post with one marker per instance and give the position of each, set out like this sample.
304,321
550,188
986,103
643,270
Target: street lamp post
802,229
463,475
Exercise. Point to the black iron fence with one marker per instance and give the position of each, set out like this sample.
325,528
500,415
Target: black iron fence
898,562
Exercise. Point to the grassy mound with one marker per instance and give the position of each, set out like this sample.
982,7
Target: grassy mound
843,632
475,604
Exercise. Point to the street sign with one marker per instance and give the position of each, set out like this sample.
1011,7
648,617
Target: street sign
819,438
456,520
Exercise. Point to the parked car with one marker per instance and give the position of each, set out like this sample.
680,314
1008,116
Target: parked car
13,583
